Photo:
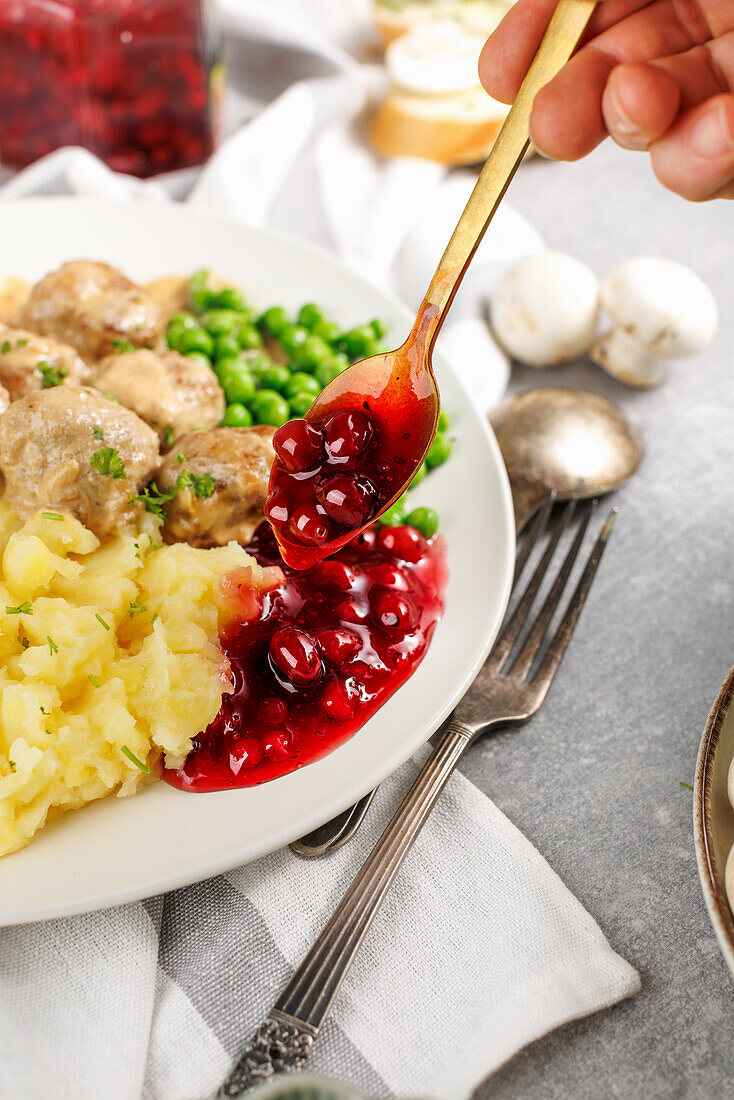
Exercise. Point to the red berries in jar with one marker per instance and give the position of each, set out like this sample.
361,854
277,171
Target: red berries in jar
134,81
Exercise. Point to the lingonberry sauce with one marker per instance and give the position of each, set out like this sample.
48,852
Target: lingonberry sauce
129,79
326,650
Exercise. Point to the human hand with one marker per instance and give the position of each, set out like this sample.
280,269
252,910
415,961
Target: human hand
656,75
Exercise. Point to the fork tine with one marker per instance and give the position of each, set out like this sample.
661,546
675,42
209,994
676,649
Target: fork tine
533,642
517,620
533,534
549,665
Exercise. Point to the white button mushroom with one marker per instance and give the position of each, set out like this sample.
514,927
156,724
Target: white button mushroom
545,309
659,310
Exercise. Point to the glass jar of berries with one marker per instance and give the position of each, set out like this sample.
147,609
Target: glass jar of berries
138,82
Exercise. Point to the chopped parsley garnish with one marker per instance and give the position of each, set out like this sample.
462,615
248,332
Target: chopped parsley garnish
153,544
108,462
687,786
22,609
121,346
44,711
202,485
99,619
154,498
168,436
97,431
52,647
12,765
135,608
93,680
52,376
52,515
154,616
21,343
133,758
25,643
5,347
181,457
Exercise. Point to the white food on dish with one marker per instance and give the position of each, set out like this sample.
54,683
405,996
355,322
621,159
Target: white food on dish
660,310
544,311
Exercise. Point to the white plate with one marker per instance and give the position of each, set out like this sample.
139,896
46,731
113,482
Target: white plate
117,850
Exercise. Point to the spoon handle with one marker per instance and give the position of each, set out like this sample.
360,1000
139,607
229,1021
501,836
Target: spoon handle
561,38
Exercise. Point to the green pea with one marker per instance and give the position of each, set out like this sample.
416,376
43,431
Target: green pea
196,339
340,360
221,322
395,514
424,520
326,372
226,347
237,416
300,382
276,377
440,450
379,327
201,295
199,357
269,407
420,473
443,421
238,384
182,319
292,337
258,363
249,336
231,298
358,342
327,330
310,315
301,402
275,320
174,335
312,352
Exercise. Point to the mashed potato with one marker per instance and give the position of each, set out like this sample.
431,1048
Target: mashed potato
110,662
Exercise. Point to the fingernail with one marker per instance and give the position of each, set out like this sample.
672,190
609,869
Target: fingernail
711,135
622,124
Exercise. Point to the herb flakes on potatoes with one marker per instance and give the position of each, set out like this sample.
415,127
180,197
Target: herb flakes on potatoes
110,660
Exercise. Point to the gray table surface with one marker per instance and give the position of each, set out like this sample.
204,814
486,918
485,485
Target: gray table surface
594,780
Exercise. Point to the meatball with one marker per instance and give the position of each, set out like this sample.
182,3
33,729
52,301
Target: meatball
71,450
238,460
92,306
31,362
172,393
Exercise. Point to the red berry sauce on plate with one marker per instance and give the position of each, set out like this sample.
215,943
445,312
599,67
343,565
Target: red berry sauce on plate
326,650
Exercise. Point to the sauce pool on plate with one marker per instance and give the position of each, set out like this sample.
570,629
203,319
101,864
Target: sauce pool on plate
325,650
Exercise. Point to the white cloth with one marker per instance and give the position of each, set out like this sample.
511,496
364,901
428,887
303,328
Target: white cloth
479,948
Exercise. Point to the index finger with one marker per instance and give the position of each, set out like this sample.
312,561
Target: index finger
508,52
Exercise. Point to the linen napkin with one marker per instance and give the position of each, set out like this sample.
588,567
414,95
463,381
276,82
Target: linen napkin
479,948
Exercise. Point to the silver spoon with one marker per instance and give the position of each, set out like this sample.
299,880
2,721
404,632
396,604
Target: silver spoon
554,441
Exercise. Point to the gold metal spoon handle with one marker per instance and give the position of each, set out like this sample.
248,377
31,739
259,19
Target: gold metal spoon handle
561,38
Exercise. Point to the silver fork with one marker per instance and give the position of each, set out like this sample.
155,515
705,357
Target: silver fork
509,690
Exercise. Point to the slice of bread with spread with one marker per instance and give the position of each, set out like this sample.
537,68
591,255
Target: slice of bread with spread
435,107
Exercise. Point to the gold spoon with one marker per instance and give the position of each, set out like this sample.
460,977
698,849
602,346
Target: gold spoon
394,395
